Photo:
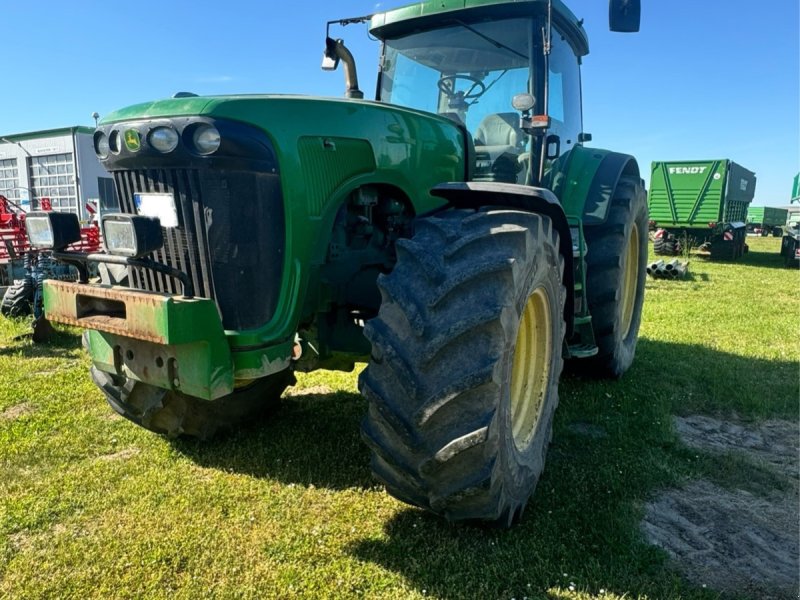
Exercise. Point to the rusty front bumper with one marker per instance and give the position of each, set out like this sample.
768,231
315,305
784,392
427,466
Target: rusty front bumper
163,340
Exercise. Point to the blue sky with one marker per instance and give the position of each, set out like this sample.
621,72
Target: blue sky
703,79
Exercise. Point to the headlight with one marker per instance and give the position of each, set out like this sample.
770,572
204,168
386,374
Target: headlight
114,142
52,230
101,144
131,235
206,139
164,139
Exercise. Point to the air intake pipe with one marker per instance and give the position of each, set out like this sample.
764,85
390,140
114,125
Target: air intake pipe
335,50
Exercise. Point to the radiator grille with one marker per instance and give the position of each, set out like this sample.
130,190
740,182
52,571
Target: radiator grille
186,246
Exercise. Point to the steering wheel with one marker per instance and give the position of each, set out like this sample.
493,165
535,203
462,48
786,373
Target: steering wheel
447,85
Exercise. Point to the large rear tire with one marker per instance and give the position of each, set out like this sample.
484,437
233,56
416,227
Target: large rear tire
18,299
615,279
175,414
466,355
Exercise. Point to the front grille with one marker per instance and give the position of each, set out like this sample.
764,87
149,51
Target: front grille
230,237
186,246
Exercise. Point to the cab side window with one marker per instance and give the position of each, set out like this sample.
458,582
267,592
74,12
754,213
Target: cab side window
564,93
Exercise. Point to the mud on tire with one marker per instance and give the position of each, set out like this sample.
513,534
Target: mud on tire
175,414
443,430
614,284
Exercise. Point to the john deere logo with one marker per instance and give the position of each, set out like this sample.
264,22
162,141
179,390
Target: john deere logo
132,141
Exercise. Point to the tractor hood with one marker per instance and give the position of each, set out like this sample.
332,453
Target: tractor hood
247,107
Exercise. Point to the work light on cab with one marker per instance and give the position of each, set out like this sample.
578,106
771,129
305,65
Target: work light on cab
164,139
52,230
133,236
206,139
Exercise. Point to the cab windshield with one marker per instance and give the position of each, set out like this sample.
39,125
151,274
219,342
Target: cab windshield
468,73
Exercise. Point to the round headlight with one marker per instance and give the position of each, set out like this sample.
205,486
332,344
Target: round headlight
114,142
101,144
164,139
206,139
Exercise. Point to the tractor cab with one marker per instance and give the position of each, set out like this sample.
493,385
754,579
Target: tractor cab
470,66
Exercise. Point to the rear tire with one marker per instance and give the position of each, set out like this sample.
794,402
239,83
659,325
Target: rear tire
175,414
18,299
466,355
616,263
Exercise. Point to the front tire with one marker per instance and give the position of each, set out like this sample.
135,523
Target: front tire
615,277
466,355
174,414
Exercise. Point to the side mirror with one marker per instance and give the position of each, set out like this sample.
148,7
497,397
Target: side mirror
624,15
330,58
553,147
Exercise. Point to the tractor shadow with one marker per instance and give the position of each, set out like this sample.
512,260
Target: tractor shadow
689,276
754,258
766,260
613,448
311,439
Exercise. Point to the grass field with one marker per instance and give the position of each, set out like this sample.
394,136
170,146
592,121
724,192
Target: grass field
92,506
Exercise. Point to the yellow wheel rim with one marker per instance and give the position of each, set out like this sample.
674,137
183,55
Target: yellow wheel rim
630,280
530,373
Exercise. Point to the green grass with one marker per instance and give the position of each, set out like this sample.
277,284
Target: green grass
92,506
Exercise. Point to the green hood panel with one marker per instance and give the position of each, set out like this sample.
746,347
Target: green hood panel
325,148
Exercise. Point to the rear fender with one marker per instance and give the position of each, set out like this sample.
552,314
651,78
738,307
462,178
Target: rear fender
519,197
584,180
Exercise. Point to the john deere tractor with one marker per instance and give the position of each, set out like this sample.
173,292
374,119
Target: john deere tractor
455,233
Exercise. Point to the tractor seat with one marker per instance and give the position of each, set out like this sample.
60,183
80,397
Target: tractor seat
498,144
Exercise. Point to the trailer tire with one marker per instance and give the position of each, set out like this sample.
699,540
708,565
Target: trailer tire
462,381
18,299
174,414
666,245
615,279
723,250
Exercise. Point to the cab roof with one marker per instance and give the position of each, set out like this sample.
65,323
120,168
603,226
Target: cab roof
433,14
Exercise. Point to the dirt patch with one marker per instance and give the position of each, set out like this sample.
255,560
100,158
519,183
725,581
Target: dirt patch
121,455
731,540
15,412
314,389
20,541
772,443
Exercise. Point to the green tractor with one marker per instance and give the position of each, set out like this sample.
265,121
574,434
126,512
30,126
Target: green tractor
454,233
